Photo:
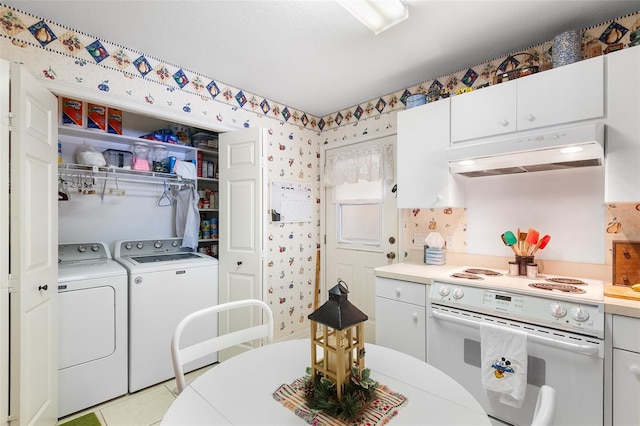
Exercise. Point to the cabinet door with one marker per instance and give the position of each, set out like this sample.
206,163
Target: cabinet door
562,95
423,173
401,326
626,387
622,181
486,112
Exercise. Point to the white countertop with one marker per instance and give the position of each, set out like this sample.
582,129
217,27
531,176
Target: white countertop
425,274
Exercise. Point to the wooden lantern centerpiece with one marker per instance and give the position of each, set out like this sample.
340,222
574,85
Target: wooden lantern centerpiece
337,338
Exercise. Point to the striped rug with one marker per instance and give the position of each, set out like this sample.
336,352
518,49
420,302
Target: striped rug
382,409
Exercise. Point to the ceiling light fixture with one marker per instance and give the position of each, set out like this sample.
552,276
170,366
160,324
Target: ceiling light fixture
377,15
571,149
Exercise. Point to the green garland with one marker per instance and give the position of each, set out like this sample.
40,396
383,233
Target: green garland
356,396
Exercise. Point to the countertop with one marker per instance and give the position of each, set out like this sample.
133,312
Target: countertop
425,274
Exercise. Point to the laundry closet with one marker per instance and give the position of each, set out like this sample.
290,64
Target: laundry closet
134,256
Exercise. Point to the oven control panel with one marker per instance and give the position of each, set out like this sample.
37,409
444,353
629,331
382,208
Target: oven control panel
580,317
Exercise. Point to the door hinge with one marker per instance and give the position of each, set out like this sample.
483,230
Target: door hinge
11,117
325,239
12,418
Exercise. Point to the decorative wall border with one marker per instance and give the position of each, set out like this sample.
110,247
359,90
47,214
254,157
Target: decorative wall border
25,29
597,40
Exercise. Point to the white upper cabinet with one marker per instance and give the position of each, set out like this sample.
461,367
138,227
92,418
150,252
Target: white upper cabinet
622,174
485,112
562,95
423,172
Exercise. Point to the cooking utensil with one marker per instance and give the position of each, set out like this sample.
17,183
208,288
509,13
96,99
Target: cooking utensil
532,240
510,240
522,237
541,244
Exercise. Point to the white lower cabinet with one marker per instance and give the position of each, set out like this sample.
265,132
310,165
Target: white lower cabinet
401,316
626,370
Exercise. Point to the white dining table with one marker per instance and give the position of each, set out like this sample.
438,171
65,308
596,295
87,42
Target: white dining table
239,391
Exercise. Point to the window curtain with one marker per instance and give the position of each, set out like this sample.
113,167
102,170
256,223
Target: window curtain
371,164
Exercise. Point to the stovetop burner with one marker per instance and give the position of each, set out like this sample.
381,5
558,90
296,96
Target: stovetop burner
479,271
467,276
571,281
565,288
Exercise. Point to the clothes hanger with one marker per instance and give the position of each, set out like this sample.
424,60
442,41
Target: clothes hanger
165,199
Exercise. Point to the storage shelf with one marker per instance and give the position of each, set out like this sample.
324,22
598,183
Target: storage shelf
208,240
208,210
212,180
121,142
125,175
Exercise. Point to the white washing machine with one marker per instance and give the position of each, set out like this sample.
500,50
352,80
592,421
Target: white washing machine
166,283
92,329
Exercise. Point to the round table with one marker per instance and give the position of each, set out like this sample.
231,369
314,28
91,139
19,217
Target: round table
240,390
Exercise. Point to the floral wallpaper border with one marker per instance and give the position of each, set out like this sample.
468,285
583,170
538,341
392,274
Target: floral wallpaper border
597,40
25,29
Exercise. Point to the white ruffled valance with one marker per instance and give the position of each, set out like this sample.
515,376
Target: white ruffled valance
370,164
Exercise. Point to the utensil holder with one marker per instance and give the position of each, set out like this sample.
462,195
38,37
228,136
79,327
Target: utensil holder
522,264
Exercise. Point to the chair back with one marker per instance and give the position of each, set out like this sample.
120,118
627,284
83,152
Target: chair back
181,356
545,411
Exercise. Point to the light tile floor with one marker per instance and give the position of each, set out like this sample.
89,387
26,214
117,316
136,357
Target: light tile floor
143,408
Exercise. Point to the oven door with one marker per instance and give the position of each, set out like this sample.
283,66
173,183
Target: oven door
570,363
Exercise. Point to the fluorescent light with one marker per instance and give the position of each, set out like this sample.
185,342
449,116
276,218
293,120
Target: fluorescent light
467,162
571,149
377,15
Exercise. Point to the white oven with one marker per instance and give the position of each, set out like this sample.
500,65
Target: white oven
565,343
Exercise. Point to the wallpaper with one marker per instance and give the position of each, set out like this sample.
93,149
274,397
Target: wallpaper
51,51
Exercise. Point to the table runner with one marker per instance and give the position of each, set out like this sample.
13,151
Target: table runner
384,406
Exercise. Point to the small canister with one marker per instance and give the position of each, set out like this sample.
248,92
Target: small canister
532,270
513,268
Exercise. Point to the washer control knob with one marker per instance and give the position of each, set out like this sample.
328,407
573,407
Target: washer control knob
174,243
128,246
444,291
82,249
140,245
557,310
458,293
95,247
157,244
579,314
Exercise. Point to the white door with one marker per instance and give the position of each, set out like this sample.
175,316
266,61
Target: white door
349,257
242,216
33,252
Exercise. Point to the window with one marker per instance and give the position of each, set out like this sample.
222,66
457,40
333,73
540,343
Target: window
359,224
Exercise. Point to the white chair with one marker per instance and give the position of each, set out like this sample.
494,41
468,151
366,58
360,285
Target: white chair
183,355
545,411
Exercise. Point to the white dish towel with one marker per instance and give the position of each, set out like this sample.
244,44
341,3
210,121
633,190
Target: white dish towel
504,363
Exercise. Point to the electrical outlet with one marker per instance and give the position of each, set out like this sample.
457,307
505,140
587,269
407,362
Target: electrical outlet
449,241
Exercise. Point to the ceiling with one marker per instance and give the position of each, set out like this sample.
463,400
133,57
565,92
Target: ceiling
313,55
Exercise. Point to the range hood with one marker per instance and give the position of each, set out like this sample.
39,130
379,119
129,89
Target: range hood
553,148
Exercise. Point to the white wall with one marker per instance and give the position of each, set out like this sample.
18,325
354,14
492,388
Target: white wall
135,215
568,205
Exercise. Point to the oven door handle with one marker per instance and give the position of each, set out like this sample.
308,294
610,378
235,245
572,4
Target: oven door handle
573,347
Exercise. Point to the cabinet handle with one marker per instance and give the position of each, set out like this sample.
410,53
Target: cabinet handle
398,292
43,287
530,117
414,316
504,123
635,369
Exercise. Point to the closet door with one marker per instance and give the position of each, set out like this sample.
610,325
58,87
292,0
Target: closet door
33,246
241,228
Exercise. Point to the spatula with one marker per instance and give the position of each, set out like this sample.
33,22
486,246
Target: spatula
510,240
532,241
542,243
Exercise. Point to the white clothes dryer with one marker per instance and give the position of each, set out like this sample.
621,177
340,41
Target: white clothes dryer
166,283
92,329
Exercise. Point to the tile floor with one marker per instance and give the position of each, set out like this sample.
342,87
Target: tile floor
143,408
